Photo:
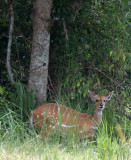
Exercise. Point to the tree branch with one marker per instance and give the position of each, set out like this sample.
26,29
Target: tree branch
9,45
64,27
65,31
117,83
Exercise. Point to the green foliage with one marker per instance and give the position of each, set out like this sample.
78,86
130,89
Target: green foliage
5,96
25,101
22,36
15,108
96,56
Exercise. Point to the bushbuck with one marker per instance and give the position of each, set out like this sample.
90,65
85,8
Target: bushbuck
54,116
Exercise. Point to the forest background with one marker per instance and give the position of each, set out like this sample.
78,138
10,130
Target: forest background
90,48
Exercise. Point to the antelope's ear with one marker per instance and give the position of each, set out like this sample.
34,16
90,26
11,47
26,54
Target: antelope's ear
109,95
92,95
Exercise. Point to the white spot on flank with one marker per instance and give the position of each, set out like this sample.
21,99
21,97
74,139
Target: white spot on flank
42,114
37,116
53,127
63,125
81,131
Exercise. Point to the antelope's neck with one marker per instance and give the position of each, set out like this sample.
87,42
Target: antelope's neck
97,117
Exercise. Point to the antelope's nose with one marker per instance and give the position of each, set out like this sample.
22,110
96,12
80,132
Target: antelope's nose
101,105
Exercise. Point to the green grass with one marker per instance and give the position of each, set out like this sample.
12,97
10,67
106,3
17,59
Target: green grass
19,141
24,143
36,147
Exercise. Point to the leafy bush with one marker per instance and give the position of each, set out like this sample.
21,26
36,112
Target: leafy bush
96,56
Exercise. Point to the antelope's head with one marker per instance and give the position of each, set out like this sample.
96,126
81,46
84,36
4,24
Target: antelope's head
100,101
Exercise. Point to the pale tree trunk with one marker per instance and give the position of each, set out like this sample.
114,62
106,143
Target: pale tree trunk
40,49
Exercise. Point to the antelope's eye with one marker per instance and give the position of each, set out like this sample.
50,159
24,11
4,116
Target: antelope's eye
97,100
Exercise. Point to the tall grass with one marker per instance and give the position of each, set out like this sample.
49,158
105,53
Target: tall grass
19,141
109,146
14,114
25,101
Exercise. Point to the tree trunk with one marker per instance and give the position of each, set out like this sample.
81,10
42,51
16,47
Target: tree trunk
40,49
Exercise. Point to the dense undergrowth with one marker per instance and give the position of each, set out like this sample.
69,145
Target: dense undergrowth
19,141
